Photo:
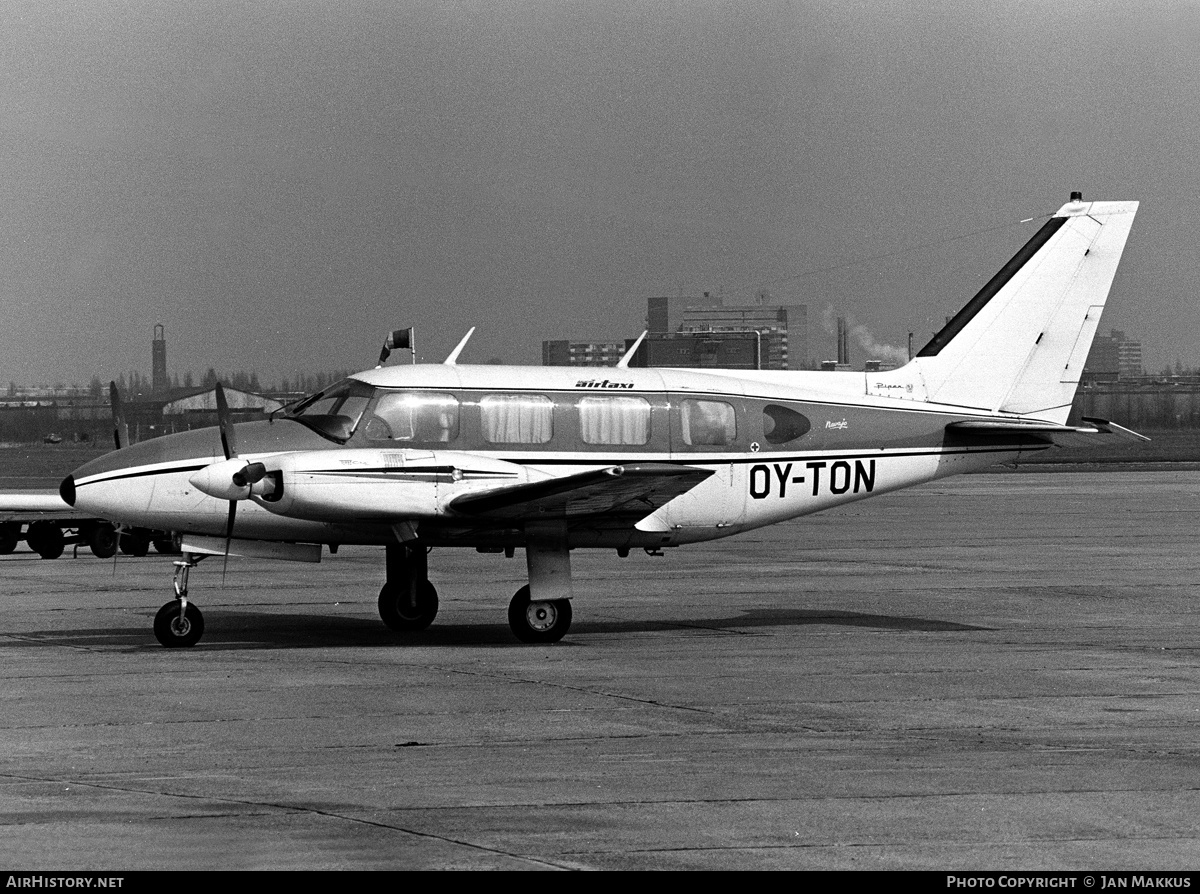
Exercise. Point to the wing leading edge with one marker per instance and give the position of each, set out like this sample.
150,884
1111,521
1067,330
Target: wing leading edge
633,490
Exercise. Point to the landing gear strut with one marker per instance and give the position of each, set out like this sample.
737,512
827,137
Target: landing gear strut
408,602
179,623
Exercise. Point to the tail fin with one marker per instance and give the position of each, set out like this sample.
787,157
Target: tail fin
1020,344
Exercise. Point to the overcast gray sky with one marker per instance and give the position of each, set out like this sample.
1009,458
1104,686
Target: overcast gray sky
280,183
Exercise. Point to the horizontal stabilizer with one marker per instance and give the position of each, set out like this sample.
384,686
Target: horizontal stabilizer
1104,427
632,490
1059,434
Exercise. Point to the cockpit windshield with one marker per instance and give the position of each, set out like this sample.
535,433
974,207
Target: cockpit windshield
334,412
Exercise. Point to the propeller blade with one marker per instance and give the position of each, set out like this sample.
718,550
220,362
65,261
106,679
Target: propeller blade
225,421
228,539
120,431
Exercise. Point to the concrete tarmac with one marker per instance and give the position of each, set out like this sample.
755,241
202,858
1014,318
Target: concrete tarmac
991,672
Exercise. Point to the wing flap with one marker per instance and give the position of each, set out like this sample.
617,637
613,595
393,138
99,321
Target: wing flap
634,490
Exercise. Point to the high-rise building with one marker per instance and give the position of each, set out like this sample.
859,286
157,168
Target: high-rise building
1112,357
560,352
705,350
782,329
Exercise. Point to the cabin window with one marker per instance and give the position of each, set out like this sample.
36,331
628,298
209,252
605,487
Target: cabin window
426,416
614,420
516,418
781,425
710,423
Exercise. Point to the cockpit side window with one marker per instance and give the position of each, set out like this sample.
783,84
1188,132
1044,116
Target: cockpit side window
418,416
781,425
334,412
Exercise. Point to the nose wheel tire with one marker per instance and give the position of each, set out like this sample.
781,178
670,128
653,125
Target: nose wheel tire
545,621
398,612
174,631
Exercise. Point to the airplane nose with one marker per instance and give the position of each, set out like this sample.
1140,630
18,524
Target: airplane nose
66,490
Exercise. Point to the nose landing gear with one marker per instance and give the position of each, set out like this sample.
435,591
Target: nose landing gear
179,623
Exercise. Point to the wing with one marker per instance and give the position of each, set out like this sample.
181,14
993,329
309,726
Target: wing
29,507
633,490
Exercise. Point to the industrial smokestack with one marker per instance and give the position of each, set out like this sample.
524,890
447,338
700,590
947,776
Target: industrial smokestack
843,337
159,383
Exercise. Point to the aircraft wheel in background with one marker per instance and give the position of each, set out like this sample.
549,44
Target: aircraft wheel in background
538,622
135,542
175,632
102,540
398,615
10,536
45,539
168,546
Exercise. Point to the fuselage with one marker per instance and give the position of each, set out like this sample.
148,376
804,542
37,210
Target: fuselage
396,445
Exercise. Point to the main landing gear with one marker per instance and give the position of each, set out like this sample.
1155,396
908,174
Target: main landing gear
179,623
538,613
408,602
541,621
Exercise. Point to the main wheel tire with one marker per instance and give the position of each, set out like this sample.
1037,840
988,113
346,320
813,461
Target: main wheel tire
46,539
398,615
538,622
175,632
102,539
10,536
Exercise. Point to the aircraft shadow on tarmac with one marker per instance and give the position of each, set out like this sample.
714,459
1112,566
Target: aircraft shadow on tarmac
270,630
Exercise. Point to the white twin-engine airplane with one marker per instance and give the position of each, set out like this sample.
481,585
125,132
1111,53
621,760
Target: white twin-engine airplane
552,459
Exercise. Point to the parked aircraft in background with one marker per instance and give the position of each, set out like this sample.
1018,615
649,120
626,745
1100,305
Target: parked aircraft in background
48,525
552,459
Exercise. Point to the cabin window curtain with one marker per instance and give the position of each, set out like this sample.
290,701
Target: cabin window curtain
614,420
516,418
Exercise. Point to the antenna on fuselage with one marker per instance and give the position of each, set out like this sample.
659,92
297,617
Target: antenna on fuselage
452,360
398,338
623,363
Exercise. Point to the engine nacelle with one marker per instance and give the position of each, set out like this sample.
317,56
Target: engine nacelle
358,485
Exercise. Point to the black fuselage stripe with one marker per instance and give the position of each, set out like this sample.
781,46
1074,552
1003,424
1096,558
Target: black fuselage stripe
995,284
735,459
122,476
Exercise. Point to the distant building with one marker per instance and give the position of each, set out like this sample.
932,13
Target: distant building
704,350
1113,357
582,353
782,328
